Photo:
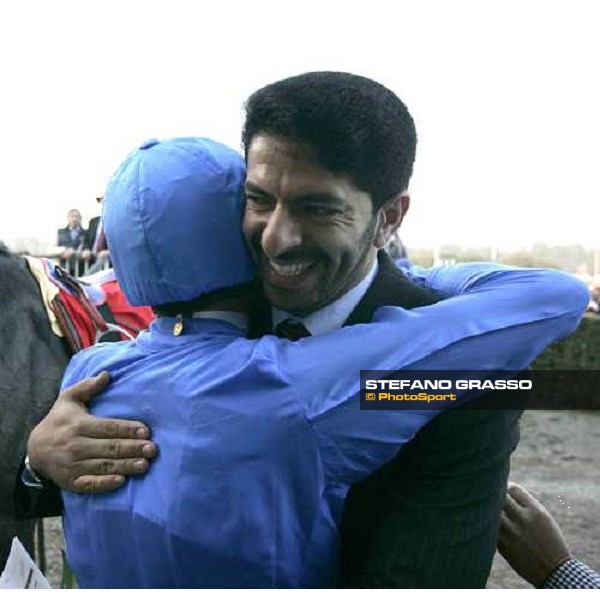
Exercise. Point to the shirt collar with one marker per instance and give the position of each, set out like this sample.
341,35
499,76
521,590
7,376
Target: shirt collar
233,318
334,315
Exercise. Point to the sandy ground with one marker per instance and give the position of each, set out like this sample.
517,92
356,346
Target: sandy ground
558,460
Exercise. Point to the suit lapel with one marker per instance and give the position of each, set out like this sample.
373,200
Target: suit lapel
390,288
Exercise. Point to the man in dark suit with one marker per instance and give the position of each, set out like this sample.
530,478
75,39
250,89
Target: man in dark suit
70,241
329,158
71,238
95,246
92,232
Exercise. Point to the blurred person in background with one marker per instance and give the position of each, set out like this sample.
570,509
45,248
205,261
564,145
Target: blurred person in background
397,251
95,246
594,305
70,240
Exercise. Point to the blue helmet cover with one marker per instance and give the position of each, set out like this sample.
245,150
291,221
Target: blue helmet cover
173,221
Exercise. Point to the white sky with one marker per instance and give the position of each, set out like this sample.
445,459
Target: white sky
505,96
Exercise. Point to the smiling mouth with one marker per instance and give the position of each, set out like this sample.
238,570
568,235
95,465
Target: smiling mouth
288,274
295,269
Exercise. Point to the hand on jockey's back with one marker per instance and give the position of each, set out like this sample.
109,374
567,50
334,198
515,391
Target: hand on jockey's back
83,453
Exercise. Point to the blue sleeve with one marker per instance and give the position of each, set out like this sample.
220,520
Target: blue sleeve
501,321
461,278
357,442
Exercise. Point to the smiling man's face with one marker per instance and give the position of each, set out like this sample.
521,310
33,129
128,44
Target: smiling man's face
310,230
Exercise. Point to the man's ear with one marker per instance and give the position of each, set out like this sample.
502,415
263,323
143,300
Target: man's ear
389,218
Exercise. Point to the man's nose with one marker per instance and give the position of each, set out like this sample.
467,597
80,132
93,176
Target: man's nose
281,234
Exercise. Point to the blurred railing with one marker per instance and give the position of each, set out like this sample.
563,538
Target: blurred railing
77,265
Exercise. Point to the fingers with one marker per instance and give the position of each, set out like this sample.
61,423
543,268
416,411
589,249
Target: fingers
520,495
94,427
528,504
84,390
113,449
512,509
524,510
107,475
126,467
103,476
506,534
89,484
507,527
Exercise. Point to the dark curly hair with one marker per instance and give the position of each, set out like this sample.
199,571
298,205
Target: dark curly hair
354,125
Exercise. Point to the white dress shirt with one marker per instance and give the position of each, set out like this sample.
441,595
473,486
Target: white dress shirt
334,315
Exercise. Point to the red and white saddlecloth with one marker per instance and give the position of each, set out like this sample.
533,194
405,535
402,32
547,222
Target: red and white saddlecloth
77,307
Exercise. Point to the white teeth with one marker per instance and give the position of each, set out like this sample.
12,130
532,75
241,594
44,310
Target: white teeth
290,270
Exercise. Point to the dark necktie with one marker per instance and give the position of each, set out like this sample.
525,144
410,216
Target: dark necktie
291,330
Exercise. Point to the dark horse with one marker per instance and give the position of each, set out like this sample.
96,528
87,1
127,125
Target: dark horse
32,361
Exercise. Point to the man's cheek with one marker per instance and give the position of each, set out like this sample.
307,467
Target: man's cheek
247,230
253,241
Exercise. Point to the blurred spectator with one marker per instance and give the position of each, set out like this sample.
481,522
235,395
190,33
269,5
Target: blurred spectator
594,305
70,241
534,546
72,237
95,247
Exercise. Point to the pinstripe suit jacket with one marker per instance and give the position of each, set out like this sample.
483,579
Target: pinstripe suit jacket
428,519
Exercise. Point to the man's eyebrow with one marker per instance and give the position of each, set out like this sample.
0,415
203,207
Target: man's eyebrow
255,189
306,198
323,198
